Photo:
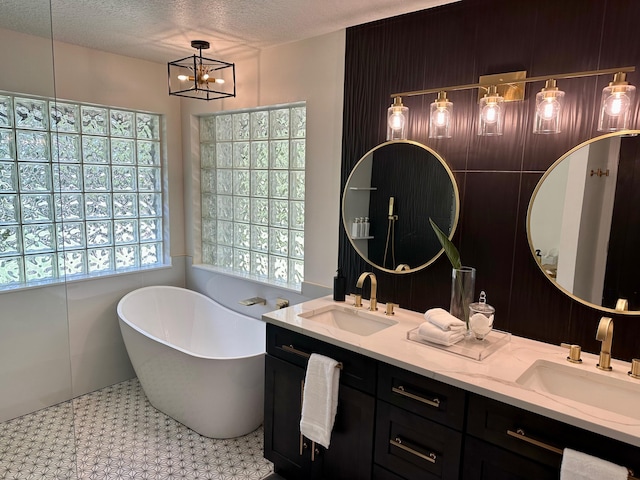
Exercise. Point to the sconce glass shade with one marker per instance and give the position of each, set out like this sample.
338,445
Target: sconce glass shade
491,113
615,106
549,102
440,117
200,77
397,120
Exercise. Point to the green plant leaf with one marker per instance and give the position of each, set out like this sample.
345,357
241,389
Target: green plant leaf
449,248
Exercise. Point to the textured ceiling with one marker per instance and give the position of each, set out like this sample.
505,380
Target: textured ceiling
161,30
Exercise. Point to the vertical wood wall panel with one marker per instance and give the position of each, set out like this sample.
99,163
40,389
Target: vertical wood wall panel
452,45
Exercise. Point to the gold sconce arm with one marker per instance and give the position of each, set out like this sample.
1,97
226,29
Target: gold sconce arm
485,82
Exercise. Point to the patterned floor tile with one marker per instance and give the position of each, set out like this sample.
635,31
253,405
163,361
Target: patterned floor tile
115,434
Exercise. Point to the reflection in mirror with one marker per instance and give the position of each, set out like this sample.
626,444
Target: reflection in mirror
394,189
583,222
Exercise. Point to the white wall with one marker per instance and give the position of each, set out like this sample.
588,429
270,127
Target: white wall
68,335
61,341
313,71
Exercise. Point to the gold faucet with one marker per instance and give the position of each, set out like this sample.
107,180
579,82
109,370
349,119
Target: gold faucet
373,303
605,335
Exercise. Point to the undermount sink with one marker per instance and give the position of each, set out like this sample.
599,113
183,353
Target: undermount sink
577,383
350,319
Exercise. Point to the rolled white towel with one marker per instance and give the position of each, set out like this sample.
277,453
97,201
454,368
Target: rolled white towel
443,319
431,333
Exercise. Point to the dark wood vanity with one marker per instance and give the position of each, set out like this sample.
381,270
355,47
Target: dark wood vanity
393,424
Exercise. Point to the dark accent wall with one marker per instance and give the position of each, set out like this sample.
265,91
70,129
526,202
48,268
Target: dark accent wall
455,44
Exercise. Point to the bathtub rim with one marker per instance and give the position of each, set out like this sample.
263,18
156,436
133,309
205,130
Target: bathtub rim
122,318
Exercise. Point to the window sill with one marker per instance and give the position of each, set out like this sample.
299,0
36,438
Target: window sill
251,278
77,279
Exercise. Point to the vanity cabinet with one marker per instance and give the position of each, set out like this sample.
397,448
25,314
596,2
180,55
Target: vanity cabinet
419,423
393,424
350,454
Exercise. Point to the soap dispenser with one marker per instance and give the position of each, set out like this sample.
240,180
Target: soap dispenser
339,286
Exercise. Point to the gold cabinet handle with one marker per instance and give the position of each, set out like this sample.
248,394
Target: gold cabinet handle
300,353
521,435
397,442
295,351
401,391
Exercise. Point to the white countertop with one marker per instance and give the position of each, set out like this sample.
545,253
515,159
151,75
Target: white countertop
494,377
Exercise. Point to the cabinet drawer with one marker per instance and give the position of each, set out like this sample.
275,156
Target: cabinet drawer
423,396
540,438
483,461
413,447
358,371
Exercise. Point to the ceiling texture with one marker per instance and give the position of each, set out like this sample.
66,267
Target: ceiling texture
161,30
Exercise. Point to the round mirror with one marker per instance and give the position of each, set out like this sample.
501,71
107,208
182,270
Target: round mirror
388,199
583,222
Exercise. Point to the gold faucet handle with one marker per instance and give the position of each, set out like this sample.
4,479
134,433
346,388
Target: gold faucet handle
574,352
389,308
357,299
635,368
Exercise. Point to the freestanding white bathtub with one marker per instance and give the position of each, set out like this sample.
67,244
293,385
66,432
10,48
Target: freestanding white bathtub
197,361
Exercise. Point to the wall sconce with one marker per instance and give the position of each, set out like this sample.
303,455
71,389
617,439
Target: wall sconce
440,117
615,106
203,78
615,113
397,119
549,102
490,113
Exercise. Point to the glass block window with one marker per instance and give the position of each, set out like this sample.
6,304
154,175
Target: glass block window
252,186
80,190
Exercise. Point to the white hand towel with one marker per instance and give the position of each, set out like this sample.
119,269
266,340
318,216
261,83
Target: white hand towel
431,333
320,399
443,319
580,466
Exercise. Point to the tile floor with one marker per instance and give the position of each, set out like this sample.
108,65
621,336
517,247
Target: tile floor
115,433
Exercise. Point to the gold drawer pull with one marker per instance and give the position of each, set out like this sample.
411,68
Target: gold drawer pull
401,391
520,435
397,442
292,349
300,353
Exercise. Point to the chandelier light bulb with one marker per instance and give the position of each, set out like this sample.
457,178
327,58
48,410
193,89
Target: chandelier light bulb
183,78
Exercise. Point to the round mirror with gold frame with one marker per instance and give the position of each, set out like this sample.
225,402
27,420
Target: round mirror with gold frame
583,223
388,199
